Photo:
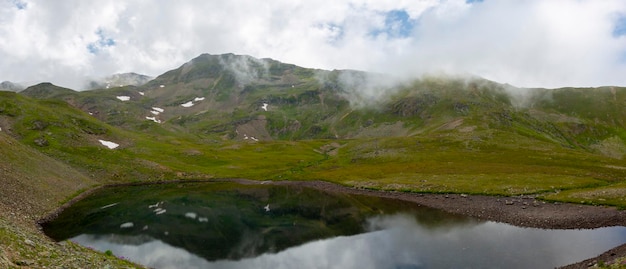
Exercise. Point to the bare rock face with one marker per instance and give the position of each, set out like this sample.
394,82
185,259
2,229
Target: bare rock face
42,142
254,130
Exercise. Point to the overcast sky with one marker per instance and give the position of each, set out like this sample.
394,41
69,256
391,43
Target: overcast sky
531,43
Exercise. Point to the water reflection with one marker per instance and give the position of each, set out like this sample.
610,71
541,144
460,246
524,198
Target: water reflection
229,221
396,241
228,225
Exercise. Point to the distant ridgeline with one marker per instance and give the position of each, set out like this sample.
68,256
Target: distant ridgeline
241,97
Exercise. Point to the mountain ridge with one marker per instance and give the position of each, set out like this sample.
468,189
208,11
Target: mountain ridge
233,116
272,100
118,80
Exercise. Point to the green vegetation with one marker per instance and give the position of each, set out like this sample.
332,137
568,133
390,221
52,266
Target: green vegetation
432,135
439,135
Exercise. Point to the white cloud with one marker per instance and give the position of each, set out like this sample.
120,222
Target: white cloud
525,43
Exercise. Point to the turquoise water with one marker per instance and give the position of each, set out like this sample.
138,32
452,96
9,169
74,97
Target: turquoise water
227,225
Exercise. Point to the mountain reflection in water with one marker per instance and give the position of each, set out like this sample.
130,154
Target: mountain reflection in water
396,241
228,225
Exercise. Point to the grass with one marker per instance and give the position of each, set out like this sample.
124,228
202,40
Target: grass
22,249
511,160
567,145
484,162
439,166
613,195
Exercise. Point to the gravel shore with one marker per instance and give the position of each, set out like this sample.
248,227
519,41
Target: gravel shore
523,211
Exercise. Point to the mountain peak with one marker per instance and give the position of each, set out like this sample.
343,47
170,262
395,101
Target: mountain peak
118,80
10,86
45,90
242,69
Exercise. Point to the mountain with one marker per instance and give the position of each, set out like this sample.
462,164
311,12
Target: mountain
239,97
118,80
10,86
236,116
46,90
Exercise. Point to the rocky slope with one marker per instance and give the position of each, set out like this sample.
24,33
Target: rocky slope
33,185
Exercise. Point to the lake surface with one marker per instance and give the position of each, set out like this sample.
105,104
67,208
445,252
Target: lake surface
229,225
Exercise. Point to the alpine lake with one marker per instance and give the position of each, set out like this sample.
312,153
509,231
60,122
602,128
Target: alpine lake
232,225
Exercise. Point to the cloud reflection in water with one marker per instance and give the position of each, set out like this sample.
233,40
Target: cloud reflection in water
395,242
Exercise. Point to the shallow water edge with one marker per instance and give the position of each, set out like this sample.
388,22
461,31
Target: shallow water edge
521,211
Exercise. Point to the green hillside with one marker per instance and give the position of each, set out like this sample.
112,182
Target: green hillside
34,185
237,116
231,116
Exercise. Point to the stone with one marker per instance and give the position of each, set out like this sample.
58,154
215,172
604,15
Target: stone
29,242
42,142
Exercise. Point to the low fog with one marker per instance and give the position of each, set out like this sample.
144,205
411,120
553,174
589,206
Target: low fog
531,43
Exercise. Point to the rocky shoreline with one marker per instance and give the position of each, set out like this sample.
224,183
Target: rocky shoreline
523,211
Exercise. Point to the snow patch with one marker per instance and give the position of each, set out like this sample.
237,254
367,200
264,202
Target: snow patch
191,215
188,104
157,110
246,137
127,225
267,208
161,86
142,93
159,211
123,98
264,107
107,206
155,205
109,144
153,119
203,219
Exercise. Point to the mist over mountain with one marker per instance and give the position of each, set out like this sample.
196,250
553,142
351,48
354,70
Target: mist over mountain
118,80
239,97
10,86
236,116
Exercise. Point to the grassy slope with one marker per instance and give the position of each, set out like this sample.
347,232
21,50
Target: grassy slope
454,136
34,184
433,136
